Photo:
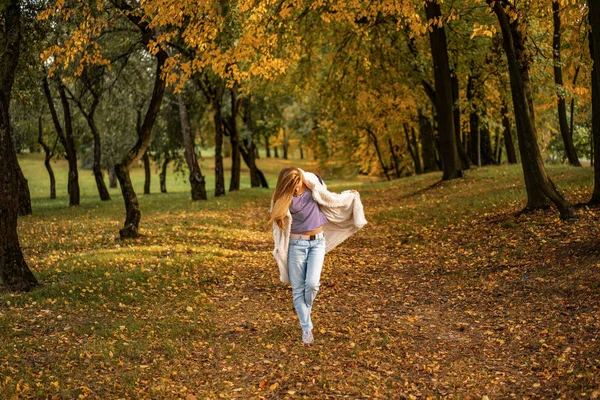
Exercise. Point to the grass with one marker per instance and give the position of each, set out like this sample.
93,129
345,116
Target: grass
447,293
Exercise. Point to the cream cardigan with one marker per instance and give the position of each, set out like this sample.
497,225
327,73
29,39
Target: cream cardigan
344,213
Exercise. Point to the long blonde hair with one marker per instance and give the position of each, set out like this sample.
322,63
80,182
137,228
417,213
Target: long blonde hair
288,180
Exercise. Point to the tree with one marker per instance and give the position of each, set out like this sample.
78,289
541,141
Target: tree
558,80
594,39
66,137
14,271
540,187
197,181
443,92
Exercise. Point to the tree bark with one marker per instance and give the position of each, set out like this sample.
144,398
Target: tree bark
427,143
248,148
508,139
234,138
412,148
97,165
539,186
376,144
594,43
147,172
443,89
132,208
163,175
462,154
112,178
558,80
14,272
197,181
474,130
219,171
66,138
49,153
487,154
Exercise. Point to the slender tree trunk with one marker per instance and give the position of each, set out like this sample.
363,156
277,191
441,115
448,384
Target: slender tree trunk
572,110
66,138
132,208
112,178
537,182
249,148
594,43
474,131
376,144
147,172
412,148
97,166
394,157
558,80
219,171
487,154
267,148
276,153
427,143
14,271
443,89
498,147
462,154
234,138
508,139
48,156
163,175
197,181
285,144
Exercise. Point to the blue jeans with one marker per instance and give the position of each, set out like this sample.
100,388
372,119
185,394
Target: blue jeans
305,262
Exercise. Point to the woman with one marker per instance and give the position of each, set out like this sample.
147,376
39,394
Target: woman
309,221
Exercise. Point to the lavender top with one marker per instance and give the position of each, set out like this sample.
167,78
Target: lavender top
306,214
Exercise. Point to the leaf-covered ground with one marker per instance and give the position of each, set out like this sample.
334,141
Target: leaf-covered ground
447,293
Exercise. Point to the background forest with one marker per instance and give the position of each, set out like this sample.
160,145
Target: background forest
471,126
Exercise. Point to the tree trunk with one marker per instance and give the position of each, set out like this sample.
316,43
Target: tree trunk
276,153
66,138
48,156
14,271
132,208
594,43
234,138
249,148
267,148
285,144
474,132
508,139
219,172
427,143
376,144
572,109
498,147
539,185
487,154
443,89
112,178
163,175
558,80
197,181
147,172
97,166
413,150
462,154
394,158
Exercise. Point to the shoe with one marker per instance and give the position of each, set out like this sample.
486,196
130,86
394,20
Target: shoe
307,337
